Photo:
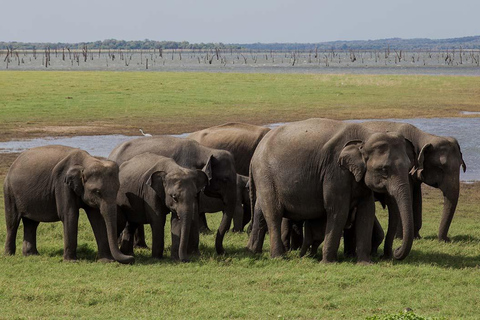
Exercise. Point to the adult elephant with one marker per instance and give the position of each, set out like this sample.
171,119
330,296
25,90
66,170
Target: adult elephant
241,140
321,168
439,162
217,164
48,184
152,186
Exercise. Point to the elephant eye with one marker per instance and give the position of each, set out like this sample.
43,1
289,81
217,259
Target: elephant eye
97,192
174,197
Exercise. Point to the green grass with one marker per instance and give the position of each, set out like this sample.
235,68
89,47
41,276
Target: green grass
436,280
174,102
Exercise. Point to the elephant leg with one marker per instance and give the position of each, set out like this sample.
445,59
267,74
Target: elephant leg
202,223
139,238
70,235
377,236
286,228
126,245
259,229
100,231
238,219
417,210
337,216
29,237
273,217
12,219
296,236
364,222
158,236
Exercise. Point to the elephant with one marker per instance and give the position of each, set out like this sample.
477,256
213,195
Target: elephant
52,183
439,162
241,140
218,164
322,168
314,233
292,234
151,186
210,204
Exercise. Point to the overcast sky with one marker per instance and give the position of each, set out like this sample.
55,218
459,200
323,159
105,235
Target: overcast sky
240,21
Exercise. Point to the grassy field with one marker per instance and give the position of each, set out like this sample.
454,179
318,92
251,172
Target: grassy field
436,280
52,103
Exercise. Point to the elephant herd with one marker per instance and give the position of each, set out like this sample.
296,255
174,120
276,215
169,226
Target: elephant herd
317,179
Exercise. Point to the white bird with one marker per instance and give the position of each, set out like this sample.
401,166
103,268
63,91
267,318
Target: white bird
145,134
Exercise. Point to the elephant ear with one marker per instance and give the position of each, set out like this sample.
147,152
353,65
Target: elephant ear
207,169
464,166
156,180
351,158
201,180
412,155
74,179
417,172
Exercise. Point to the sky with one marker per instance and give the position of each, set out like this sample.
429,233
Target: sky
241,21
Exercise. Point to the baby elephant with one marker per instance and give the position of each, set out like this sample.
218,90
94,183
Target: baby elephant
152,186
48,184
242,213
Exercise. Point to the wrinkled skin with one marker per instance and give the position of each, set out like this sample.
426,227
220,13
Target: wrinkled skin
241,140
218,164
152,186
439,162
320,168
210,204
48,184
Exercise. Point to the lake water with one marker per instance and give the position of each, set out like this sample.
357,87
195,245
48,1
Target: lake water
465,130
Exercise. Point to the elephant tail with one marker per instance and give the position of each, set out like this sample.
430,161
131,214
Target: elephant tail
252,192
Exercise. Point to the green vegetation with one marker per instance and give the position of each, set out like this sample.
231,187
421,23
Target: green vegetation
31,103
436,280
439,280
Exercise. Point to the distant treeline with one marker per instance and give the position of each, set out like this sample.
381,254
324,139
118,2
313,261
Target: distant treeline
381,44
115,44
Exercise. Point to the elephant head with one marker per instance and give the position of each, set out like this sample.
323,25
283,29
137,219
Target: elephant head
180,189
439,165
96,183
382,162
222,183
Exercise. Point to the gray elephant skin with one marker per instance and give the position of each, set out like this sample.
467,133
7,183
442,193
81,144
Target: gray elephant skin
439,162
210,204
190,154
241,140
48,184
152,186
321,168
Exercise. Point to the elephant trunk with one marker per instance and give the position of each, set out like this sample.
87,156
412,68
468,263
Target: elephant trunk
450,199
186,224
109,213
401,199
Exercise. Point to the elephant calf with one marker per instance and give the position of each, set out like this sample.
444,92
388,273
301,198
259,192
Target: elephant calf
151,186
242,213
48,184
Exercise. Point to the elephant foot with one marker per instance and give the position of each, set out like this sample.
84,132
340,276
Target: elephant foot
141,245
417,236
444,239
325,261
365,263
205,231
30,253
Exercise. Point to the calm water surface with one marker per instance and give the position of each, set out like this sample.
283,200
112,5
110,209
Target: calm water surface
465,130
